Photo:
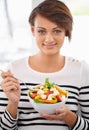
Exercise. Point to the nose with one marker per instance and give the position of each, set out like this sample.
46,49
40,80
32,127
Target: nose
49,38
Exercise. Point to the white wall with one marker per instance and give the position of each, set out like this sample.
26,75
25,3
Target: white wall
10,49
79,45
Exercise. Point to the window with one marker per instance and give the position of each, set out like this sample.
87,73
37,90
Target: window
15,35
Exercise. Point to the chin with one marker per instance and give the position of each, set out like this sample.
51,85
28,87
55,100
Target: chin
51,53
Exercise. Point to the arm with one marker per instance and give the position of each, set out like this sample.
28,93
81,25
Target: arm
10,86
82,122
7,122
83,119
63,114
74,121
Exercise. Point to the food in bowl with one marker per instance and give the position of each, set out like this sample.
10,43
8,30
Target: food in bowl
47,97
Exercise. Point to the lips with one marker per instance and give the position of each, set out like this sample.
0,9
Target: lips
49,46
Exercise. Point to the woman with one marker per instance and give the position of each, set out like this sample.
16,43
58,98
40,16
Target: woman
51,21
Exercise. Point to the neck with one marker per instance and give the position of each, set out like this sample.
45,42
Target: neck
50,60
47,63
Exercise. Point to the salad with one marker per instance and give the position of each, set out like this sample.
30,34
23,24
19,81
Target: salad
48,93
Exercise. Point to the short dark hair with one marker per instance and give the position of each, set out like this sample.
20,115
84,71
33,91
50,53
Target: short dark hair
55,11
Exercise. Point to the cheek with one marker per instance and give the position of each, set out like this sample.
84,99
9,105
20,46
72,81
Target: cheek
62,38
39,39
60,41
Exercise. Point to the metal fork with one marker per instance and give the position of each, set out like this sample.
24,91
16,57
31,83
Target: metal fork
20,81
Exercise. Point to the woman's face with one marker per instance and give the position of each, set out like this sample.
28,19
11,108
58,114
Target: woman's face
49,37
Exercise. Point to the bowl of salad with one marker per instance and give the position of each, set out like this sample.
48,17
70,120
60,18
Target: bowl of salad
47,97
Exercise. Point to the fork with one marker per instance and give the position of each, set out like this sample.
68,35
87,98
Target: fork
20,81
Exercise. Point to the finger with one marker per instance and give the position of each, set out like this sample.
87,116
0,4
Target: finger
5,74
9,86
61,110
48,116
8,79
53,116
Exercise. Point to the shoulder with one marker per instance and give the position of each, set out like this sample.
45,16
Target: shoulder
73,63
85,73
77,63
18,65
19,61
81,67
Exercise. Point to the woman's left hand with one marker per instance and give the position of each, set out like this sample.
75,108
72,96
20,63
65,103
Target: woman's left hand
62,114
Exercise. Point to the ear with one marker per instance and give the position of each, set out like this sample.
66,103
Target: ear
32,30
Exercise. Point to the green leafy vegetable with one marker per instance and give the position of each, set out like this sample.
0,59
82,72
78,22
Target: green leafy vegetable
49,85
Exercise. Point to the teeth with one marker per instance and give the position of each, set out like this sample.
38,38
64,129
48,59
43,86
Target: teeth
50,45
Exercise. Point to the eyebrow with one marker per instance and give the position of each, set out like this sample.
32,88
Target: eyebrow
45,28
41,27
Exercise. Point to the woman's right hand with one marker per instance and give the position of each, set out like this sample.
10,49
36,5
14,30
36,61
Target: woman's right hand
11,87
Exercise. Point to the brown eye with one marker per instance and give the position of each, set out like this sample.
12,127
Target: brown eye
57,31
41,32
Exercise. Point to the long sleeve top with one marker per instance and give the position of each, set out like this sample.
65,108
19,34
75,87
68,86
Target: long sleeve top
74,77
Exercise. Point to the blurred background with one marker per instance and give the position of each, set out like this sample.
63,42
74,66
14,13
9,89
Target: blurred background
16,40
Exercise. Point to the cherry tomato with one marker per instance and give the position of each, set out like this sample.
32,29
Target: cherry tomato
58,98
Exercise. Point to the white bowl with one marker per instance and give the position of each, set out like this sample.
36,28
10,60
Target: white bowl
46,108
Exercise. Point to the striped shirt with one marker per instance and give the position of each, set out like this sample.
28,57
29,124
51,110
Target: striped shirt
74,77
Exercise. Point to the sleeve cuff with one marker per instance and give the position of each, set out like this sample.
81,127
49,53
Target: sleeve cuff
75,123
10,117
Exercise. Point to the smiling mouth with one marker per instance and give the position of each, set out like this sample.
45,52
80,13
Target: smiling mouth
49,46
